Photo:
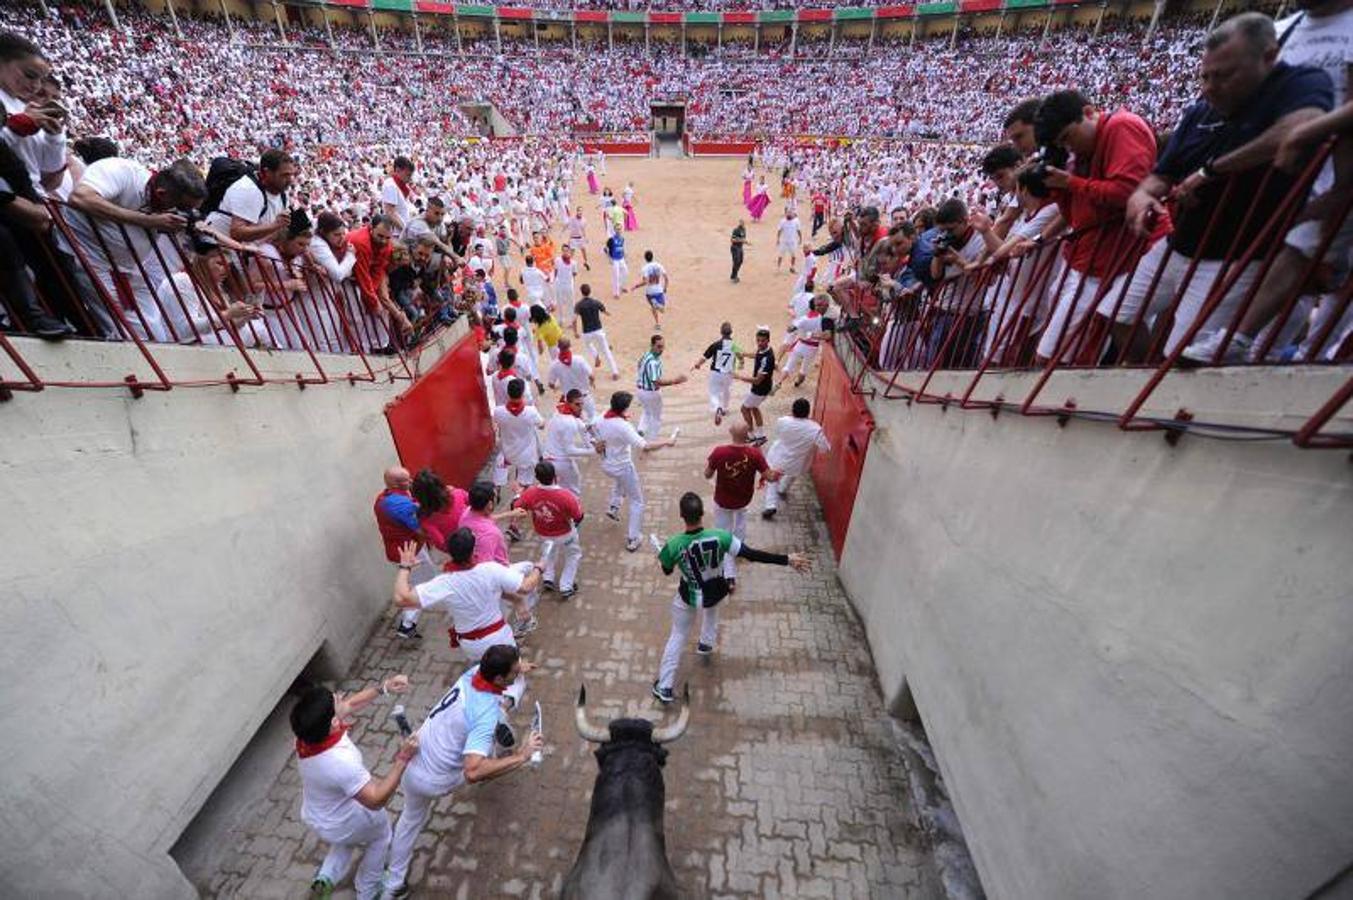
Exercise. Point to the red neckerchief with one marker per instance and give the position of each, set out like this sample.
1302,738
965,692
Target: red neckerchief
566,357
305,749
399,183
612,414
813,313
507,373
516,407
480,683
452,566
564,409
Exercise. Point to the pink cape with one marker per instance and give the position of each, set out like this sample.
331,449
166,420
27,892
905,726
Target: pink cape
758,206
746,193
592,187
631,220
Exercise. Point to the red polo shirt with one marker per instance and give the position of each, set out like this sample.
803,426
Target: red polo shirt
735,469
372,264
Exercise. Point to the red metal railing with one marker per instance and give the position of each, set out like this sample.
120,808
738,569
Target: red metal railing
1142,314
116,282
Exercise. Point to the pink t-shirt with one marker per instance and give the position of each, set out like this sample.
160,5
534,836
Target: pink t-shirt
489,543
439,526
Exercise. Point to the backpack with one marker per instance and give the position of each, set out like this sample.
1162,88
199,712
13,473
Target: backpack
225,171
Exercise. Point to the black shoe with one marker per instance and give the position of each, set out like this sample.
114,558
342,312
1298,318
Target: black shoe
664,695
548,585
704,649
504,736
408,631
50,328
399,893
767,514
568,594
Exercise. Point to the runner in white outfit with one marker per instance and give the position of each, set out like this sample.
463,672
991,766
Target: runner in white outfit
797,438
618,438
456,743
570,372
340,800
518,443
566,441
565,270
808,336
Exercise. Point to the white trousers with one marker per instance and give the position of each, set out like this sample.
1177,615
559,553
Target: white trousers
421,793
525,469
476,648
683,618
1195,293
625,486
720,384
369,828
777,489
620,271
1076,300
600,348
570,550
735,521
650,421
566,475
563,298
800,357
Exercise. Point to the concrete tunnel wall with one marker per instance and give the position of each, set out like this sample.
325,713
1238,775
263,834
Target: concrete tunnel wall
1132,660
171,563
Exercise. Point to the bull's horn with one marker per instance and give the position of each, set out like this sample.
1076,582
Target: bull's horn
586,729
669,733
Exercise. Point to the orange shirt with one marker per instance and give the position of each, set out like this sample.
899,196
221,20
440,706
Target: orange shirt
543,254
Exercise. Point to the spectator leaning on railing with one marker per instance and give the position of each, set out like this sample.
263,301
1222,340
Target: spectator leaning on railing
1218,169
254,206
1111,153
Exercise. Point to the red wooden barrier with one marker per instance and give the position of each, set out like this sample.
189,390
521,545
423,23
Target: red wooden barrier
848,425
720,148
443,420
618,148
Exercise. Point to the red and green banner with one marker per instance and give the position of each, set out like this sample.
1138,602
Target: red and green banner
589,15
774,16
393,5
979,6
815,15
944,8
515,13
472,10
435,7
664,18
905,11
354,4
700,18
741,17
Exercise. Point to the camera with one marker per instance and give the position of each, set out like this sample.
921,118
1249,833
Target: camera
945,241
1048,157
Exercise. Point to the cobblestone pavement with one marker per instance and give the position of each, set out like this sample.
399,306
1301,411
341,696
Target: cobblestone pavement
785,785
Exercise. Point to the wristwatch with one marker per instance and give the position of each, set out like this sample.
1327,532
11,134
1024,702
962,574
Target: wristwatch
406,568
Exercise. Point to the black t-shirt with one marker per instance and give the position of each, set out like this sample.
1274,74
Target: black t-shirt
1203,135
764,364
589,309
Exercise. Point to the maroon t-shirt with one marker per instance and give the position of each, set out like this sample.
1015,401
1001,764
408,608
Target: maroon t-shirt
736,467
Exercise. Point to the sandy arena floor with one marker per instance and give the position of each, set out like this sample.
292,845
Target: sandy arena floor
787,783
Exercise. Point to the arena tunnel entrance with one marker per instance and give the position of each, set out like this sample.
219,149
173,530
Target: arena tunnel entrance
669,120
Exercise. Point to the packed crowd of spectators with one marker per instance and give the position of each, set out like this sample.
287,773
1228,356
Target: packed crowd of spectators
154,96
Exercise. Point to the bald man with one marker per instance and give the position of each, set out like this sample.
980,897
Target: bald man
397,518
735,468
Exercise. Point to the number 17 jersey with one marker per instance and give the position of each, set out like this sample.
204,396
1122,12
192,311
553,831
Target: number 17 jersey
699,556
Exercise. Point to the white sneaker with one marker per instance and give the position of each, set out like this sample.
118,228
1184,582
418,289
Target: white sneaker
1203,350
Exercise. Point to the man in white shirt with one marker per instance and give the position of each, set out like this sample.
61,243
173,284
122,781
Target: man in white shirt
396,193
254,208
115,192
808,333
534,281
570,372
565,270
456,747
566,440
617,438
653,279
472,594
340,800
797,438
577,236
789,237
517,423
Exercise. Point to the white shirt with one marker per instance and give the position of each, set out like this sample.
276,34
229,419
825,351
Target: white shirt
563,275
461,723
801,303
245,200
1325,42
41,152
471,597
619,437
789,232
322,253
653,273
121,182
795,441
565,436
534,281
500,388
195,304
484,263
329,785
576,375
390,193
517,434
808,328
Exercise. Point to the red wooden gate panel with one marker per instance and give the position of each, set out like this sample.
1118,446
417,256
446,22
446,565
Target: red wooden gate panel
443,420
846,420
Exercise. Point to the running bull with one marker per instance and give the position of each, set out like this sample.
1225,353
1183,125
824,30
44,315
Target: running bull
624,854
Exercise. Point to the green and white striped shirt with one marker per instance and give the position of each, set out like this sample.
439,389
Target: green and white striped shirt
650,372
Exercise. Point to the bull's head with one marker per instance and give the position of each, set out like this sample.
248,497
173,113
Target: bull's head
624,852
630,729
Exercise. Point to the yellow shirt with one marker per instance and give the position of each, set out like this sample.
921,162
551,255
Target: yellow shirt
549,332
